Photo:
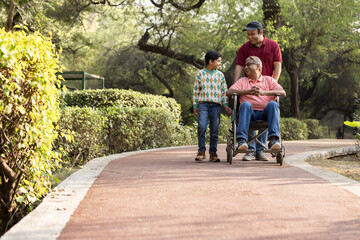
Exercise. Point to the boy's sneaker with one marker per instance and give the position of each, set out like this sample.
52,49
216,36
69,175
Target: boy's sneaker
242,145
260,156
214,157
200,156
248,157
274,144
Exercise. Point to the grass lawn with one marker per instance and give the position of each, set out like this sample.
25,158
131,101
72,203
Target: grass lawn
348,166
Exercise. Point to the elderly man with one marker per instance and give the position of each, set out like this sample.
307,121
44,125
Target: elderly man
257,93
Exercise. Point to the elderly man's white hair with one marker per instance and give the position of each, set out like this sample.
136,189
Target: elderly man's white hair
256,60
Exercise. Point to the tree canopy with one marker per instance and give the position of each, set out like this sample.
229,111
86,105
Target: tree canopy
157,45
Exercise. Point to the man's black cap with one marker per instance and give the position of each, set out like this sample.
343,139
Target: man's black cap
253,26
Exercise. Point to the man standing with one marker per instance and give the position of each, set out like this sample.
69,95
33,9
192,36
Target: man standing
269,53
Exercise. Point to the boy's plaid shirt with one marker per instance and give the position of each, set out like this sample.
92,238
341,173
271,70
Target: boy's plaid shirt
210,86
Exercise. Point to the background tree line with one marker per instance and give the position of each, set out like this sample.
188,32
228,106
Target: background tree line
156,46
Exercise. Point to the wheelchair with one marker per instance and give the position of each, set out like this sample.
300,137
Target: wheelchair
258,125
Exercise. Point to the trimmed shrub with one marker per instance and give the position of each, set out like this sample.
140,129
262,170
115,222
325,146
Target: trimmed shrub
315,130
185,135
131,129
28,109
104,98
81,135
293,129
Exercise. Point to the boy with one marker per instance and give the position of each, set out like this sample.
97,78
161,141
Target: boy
209,94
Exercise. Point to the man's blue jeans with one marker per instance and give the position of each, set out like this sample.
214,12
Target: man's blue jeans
208,111
269,114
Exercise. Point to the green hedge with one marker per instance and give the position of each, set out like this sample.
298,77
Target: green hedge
293,129
81,135
315,130
87,132
118,98
132,121
131,129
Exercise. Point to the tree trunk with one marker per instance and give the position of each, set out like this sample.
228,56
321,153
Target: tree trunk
10,17
272,15
291,68
6,205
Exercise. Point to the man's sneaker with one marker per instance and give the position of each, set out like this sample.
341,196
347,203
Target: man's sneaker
274,144
242,145
260,156
248,157
214,157
200,156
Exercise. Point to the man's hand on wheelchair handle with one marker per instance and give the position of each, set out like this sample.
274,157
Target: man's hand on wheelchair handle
228,110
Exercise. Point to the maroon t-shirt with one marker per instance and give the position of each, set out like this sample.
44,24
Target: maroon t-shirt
269,52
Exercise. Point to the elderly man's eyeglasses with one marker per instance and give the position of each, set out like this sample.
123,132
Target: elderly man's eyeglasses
249,64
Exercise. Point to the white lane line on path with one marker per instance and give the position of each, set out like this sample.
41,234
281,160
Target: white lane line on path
298,160
48,220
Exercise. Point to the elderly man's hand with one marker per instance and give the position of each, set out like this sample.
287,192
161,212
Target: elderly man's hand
255,90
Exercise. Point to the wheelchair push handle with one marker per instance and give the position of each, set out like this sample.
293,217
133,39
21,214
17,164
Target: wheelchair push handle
277,98
235,105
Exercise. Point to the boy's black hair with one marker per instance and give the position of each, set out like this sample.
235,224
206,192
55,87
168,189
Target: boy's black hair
211,55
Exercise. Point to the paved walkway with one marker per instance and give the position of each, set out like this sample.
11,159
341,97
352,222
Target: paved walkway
164,194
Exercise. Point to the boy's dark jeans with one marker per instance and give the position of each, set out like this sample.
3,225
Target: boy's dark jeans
208,111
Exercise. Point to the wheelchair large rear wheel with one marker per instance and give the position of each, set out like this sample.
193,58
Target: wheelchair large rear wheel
280,158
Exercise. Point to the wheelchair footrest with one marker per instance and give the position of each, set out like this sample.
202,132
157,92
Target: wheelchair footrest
272,151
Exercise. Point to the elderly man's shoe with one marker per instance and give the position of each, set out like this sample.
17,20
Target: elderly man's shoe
274,144
242,145
260,156
248,157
